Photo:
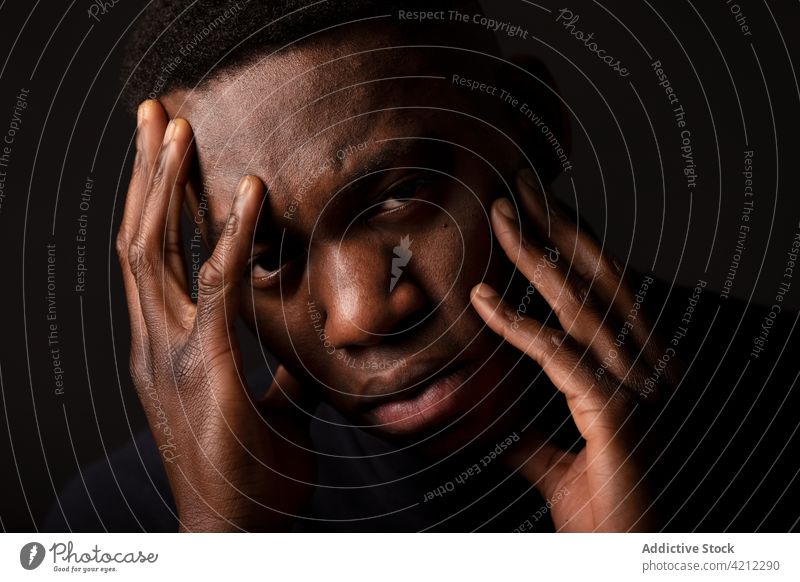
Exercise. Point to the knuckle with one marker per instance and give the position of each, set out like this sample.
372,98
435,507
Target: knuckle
554,339
564,310
579,294
144,256
139,259
576,301
211,277
543,340
122,245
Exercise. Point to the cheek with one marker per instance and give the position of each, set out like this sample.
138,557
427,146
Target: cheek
454,256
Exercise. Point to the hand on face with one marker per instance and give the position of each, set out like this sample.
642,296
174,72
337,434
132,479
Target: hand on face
238,464
232,463
600,488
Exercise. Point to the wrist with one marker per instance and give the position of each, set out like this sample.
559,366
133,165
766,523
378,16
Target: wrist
244,516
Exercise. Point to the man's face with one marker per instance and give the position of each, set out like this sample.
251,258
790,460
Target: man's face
374,230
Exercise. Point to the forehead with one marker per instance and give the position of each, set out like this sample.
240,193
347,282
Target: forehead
288,115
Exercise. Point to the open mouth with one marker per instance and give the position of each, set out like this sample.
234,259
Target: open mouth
427,405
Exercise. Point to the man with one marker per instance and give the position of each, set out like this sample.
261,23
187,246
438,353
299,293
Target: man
455,353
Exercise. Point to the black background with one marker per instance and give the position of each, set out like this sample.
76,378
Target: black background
739,93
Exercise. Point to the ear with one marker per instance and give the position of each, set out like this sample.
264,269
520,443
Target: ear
546,132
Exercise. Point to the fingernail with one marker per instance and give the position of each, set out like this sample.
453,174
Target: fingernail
529,178
505,208
483,291
168,133
245,185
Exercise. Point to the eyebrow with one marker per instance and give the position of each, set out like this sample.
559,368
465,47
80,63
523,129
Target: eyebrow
399,148
423,147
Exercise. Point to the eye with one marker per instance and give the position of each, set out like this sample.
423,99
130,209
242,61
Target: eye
265,265
401,195
262,267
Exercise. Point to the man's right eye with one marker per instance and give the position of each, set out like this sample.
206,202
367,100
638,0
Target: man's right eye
265,266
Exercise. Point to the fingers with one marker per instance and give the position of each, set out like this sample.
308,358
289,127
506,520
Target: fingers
133,210
587,293
146,150
588,262
585,289
568,366
571,297
589,317
601,411
585,255
156,251
150,245
552,349
221,275
174,256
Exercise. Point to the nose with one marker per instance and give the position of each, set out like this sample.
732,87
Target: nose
365,296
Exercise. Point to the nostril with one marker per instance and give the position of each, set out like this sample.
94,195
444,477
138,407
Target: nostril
411,322
399,335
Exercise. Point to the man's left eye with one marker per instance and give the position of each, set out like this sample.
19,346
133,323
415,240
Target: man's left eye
402,194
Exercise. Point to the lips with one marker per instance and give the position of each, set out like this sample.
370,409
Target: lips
427,404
